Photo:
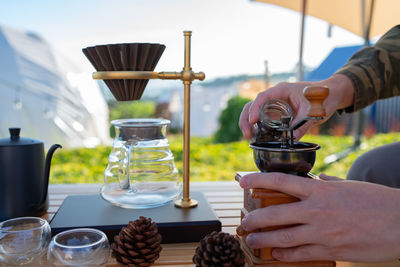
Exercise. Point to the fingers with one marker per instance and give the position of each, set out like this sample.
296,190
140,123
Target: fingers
299,133
285,183
279,91
255,106
291,93
303,253
244,124
250,114
325,177
276,215
283,238
274,92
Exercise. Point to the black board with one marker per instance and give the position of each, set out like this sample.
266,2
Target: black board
176,225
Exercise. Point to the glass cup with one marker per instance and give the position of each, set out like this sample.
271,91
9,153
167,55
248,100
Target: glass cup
79,247
23,240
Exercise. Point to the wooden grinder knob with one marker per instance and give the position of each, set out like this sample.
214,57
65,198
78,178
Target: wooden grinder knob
316,96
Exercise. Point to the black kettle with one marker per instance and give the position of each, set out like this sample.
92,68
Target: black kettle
24,176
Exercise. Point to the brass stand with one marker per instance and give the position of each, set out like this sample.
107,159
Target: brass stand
187,76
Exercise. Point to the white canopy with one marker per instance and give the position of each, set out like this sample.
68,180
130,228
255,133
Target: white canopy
351,15
47,102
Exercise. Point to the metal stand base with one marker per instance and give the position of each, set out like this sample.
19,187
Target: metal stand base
174,224
185,204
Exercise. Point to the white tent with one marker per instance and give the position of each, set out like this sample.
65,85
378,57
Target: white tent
47,102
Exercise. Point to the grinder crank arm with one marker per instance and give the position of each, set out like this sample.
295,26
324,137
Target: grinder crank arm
316,95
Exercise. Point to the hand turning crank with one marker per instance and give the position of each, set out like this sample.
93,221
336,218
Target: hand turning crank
316,96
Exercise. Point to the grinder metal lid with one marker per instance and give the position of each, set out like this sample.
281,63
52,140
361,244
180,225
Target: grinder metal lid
276,147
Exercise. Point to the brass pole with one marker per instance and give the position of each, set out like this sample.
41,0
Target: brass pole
186,65
186,201
186,144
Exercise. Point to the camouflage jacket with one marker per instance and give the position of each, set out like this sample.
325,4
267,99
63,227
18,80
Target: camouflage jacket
375,71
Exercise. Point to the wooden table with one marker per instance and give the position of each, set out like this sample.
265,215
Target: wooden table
225,197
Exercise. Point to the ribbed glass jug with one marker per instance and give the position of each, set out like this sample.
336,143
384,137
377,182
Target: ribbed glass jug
141,172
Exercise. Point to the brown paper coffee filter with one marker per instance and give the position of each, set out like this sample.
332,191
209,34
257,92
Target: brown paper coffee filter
125,57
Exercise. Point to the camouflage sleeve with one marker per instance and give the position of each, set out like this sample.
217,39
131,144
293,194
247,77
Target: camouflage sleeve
375,71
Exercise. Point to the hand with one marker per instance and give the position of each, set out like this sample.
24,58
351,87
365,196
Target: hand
336,219
341,95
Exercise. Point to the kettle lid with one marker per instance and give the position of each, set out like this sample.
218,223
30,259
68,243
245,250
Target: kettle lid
16,140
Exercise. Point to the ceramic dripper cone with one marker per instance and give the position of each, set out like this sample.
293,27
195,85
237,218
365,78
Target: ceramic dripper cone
125,57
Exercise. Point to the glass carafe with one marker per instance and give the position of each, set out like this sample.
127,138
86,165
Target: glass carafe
141,172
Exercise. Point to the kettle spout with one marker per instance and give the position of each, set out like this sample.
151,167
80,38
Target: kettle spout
47,167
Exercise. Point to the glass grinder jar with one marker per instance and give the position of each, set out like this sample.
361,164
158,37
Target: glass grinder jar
141,172
271,113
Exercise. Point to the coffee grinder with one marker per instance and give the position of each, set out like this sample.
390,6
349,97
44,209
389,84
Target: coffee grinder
275,150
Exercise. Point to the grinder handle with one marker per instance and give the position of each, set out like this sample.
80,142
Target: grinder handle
316,96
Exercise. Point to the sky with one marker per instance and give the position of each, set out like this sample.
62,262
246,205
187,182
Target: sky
230,37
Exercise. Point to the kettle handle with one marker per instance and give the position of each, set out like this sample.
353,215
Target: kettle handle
47,170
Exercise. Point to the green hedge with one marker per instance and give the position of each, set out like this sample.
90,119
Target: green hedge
209,161
130,109
229,130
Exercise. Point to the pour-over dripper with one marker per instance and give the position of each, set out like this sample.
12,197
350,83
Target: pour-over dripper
125,57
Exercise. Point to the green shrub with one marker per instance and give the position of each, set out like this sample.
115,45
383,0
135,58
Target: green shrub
229,130
81,165
208,161
131,109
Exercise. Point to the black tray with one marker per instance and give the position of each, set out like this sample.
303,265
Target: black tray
174,224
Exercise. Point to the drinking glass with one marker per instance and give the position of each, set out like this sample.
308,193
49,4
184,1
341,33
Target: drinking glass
79,247
23,240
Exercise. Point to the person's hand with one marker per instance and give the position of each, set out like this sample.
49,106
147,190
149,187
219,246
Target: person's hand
340,96
336,219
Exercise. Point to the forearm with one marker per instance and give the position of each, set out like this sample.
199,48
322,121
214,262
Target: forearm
374,71
341,92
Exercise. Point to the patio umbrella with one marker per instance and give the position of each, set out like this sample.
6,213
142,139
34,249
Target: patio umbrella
365,18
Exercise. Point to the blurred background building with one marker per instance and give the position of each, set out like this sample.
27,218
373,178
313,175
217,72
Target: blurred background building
46,96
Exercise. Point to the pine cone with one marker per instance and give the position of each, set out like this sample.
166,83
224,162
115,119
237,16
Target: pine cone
138,244
219,249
